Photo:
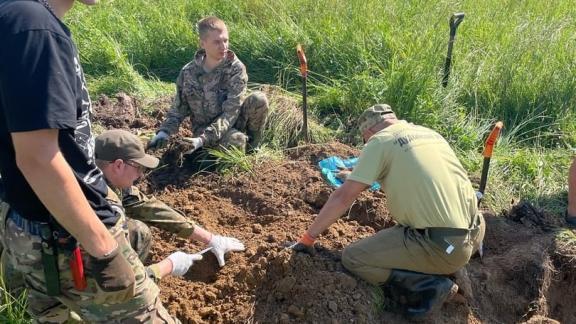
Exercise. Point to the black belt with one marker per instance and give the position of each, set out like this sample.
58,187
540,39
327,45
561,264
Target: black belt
32,227
438,234
65,240
50,244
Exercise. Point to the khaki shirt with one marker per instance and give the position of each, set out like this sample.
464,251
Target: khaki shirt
425,184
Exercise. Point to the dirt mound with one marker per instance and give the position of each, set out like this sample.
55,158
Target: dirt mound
523,272
265,209
519,279
526,275
122,111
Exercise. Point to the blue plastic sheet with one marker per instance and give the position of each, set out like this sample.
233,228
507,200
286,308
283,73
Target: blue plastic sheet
330,166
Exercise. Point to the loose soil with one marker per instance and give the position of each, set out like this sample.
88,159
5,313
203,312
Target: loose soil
525,276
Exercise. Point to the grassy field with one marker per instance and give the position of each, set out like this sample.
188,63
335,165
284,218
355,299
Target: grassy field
513,61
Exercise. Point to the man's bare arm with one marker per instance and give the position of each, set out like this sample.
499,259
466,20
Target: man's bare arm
339,201
39,159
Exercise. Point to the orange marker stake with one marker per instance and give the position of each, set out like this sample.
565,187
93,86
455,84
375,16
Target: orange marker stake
487,153
304,74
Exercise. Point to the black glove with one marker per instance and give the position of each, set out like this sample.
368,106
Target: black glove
301,247
305,244
114,276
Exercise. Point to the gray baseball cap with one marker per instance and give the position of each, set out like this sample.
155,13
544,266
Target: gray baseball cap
373,116
120,144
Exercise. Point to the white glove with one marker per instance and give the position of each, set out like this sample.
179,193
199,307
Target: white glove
158,141
181,262
222,245
196,142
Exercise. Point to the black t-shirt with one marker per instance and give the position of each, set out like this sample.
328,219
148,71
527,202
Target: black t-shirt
42,86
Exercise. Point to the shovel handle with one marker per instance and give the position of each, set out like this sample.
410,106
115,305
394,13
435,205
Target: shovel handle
205,250
487,153
456,19
491,140
303,61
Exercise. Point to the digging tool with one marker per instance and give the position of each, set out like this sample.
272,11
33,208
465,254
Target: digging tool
204,251
487,153
455,20
304,74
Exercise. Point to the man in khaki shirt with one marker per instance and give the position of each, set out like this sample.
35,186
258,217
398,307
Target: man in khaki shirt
430,197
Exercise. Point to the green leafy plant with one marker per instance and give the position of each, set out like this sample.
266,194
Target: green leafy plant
231,160
12,308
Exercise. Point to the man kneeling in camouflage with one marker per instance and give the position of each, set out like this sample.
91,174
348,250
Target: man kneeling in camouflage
210,90
120,155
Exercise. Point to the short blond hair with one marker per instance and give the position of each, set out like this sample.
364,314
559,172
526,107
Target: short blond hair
209,24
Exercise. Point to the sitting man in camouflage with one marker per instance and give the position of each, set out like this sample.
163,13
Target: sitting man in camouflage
120,155
125,160
210,90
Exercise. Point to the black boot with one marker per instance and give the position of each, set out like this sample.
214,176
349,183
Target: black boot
416,295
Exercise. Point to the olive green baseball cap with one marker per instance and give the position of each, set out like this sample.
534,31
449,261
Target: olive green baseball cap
120,144
373,116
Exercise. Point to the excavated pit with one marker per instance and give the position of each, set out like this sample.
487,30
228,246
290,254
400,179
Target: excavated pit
527,275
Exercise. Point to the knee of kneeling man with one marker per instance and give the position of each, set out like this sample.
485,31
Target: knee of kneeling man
239,140
258,99
147,235
349,260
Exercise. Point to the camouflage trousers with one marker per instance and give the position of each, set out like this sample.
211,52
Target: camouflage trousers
140,238
250,124
13,280
22,252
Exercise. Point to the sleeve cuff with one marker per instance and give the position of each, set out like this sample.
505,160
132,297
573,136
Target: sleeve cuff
359,179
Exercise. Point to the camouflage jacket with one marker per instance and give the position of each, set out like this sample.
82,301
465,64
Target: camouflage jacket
212,99
151,211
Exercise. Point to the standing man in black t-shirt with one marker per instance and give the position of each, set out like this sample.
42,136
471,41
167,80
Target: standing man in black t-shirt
55,191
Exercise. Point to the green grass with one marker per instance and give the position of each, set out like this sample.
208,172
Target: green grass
232,161
533,174
566,243
285,122
12,308
513,61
